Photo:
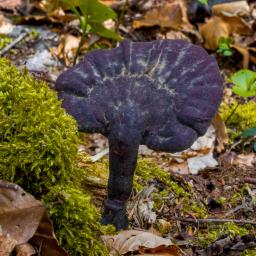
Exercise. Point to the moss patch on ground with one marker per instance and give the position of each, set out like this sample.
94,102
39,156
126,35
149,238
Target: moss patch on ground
244,116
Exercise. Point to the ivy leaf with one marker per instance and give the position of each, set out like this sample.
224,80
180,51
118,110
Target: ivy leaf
249,132
244,83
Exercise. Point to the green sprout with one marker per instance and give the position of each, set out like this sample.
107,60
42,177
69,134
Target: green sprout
224,47
91,15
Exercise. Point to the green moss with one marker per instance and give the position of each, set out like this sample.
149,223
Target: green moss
4,40
37,138
213,232
243,118
76,221
147,171
38,150
249,252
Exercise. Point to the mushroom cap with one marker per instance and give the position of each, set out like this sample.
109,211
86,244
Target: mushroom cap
168,89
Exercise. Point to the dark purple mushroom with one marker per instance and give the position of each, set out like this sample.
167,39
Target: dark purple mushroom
162,94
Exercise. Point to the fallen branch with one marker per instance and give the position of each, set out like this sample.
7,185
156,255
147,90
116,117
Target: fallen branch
13,43
217,221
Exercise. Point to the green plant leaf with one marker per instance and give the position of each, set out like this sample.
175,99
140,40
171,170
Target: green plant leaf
95,11
203,2
244,83
100,30
249,132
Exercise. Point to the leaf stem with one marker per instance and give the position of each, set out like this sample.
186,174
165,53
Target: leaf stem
84,34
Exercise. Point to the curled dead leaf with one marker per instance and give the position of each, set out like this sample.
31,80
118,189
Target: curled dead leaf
170,14
25,250
20,213
212,31
24,219
140,242
235,8
223,24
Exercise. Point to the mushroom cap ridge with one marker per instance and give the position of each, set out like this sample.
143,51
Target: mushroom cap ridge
168,89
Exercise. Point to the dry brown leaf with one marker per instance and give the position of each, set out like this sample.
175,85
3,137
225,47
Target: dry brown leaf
20,213
245,160
24,219
11,4
212,31
171,14
235,8
45,239
25,250
222,26
139,242
221,132
68,47
231,159
7,245
244,51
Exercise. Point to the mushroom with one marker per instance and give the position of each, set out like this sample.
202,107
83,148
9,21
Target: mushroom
162,94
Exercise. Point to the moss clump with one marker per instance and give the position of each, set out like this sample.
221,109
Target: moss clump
147,172
37,138
4,40
76,221
243,118
38,150
213,232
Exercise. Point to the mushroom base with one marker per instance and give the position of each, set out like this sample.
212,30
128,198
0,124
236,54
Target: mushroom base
115,214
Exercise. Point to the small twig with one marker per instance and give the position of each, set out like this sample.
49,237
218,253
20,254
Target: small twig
217,221
13,43
233,111
250,180
98,156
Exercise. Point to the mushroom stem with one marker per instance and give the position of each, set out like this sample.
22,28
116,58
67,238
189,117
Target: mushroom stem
123,145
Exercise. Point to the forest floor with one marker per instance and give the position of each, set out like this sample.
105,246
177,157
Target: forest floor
212,211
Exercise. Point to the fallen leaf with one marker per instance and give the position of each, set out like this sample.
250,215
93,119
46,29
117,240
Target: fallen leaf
222,26
245,160
221,132
7,245
24,219
244,51
25,250
11,4
171,14
45,239
134,241
20,213
195,164
212,31
236,8
68,47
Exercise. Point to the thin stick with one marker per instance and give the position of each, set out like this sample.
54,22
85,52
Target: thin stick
13,43
250,180
217,221
233,111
